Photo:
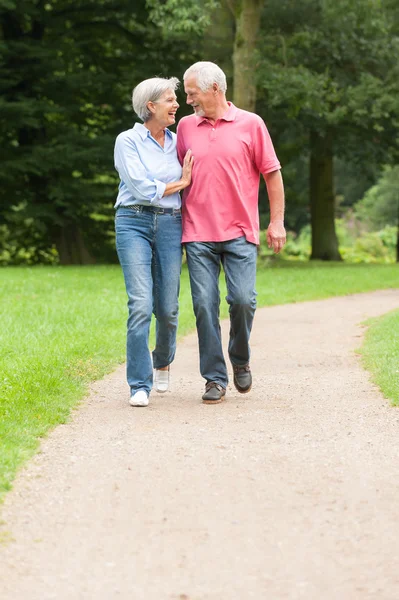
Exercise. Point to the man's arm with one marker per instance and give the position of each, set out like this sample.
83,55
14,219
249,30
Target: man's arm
276,236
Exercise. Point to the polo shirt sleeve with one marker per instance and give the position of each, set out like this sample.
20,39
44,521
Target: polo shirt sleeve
133,173
264,154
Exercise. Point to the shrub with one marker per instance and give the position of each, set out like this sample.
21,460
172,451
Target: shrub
355,244
24,247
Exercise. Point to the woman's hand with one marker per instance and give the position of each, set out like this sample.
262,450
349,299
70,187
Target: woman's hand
177,186
187,169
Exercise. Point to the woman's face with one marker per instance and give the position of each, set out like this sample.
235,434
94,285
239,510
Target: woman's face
164,109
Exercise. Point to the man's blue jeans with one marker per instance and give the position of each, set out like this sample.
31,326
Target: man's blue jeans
239,262
149,250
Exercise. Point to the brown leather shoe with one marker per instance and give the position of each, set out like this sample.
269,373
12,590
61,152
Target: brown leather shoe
214,393
242,378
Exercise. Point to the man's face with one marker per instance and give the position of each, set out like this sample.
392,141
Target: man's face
203,103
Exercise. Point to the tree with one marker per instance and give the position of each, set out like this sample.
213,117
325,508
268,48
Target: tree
67,71
247,15
333,71
177,18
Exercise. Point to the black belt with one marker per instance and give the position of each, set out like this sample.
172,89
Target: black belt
154,209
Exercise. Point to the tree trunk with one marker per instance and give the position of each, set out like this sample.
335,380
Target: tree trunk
71,247
218,40
247,14
324,237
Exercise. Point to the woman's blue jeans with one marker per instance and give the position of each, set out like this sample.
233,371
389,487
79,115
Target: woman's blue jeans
150,252
239,263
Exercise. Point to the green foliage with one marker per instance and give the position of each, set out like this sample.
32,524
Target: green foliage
67,71
356,244
67,68
177,18
372,247
55,139
328,71
16,250
334,65
342,50
22,240
380,204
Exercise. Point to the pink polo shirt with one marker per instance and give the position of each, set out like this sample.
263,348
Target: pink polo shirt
222,201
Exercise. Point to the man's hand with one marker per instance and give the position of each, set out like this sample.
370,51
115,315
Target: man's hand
276,236
275,233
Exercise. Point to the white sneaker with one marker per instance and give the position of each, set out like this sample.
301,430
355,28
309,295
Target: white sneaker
140,398
161,380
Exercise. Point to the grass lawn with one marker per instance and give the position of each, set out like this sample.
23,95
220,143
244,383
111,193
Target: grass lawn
380,354
62,327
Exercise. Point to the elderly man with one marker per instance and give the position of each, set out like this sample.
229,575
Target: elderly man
231,148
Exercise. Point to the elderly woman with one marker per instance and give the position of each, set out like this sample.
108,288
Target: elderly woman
148,233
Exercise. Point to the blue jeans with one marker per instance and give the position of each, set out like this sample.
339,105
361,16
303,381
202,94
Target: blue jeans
239,262
150,252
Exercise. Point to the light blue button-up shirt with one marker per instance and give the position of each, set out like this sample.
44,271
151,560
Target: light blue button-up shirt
145,168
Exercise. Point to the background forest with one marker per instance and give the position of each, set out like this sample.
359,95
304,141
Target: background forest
324,76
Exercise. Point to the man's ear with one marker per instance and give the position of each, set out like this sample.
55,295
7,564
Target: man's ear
215,88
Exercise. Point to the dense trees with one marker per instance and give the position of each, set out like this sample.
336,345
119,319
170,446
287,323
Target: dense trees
68,68
58,75
323,74
331,67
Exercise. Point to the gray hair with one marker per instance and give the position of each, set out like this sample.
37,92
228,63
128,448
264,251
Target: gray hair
207,73
150,90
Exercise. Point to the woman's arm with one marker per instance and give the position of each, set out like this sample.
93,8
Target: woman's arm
134,175
185,180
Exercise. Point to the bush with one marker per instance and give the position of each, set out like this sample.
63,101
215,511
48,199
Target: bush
355,244
24,247
372,247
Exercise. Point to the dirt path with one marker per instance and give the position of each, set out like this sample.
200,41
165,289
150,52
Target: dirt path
289,492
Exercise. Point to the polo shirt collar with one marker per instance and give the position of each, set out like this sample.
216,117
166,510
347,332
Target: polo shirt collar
229,115
144,132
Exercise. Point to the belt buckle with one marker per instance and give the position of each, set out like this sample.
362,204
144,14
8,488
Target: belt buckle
160,210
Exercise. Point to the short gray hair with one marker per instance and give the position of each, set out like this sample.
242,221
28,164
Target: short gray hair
150,90
207,73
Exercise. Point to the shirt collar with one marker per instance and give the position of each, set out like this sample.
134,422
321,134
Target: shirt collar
229,115
144,132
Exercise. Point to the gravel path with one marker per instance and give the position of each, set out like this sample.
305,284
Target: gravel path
289,492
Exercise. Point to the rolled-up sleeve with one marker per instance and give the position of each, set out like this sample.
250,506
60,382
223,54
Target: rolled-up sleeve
133,173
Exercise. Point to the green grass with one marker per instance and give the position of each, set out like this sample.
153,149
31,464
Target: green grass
380,354
64,327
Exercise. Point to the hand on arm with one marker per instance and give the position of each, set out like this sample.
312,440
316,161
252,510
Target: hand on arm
185,180
133,173
276,235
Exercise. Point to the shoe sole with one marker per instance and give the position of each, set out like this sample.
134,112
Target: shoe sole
244,391
214,401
